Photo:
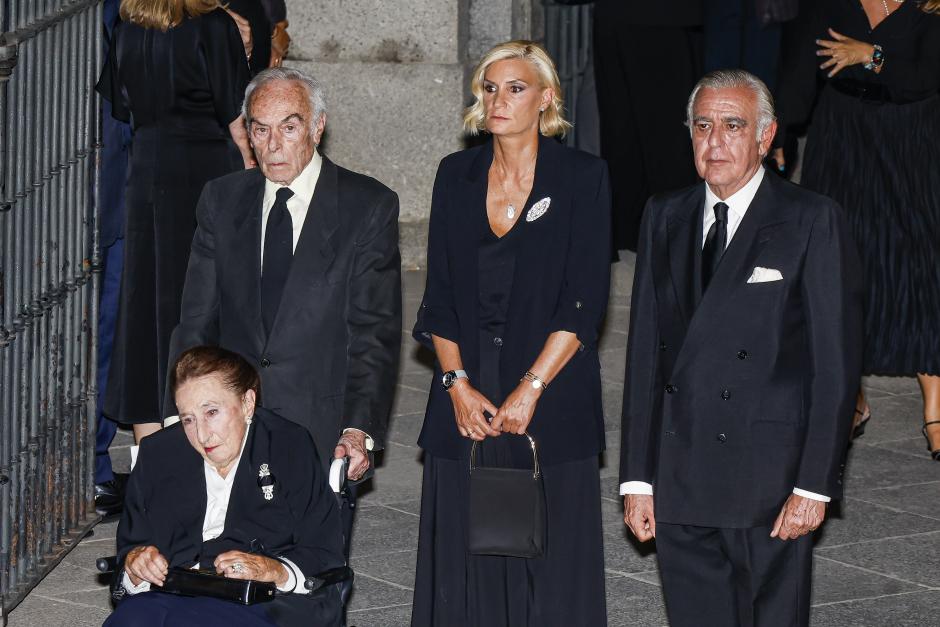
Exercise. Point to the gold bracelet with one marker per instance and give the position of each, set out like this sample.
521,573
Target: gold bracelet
534,379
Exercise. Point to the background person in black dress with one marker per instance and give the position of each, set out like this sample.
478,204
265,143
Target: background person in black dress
177,73
518,278
873,148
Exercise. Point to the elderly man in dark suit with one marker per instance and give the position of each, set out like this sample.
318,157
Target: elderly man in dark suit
742,367
295,265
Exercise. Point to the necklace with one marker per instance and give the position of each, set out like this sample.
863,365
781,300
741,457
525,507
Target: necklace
884,3
511,208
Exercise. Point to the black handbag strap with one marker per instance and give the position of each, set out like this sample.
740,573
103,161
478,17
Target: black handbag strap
535,456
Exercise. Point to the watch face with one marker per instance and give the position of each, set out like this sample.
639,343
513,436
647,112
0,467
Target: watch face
448,379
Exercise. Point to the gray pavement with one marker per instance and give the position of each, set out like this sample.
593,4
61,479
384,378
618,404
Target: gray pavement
877,559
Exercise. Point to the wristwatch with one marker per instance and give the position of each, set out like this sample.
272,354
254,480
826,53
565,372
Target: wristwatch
450,378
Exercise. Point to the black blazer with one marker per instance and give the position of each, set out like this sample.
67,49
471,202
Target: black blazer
331,359
658,13
561,282
731,402
165,504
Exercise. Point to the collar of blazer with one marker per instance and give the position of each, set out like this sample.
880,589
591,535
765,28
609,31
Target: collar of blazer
313,255
685,253
469,210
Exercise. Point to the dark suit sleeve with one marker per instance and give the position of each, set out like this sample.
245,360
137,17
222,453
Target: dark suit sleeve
832,300
583,302
318,532
373,322
640,420
136,528
199,311
437,314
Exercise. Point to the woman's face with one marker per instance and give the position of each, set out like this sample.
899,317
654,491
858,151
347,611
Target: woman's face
215,419
512,97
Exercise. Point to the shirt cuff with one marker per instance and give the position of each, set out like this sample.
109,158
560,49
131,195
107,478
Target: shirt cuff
636,487
143,586
812,495
370,443
295,580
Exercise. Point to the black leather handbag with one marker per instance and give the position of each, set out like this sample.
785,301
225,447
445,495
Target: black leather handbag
507,509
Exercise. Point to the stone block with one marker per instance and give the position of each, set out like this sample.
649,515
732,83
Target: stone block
417,31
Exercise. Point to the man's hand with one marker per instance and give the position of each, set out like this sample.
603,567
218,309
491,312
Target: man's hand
353,444
798,517
638,516
144,563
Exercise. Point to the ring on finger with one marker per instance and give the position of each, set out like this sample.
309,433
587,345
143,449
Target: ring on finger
238,567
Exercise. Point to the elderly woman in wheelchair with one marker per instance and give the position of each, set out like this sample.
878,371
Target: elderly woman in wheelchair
230,503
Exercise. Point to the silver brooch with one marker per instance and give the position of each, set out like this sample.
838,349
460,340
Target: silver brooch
266,482
538,209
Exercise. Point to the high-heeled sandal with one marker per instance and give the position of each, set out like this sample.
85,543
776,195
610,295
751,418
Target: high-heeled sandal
935,453
859,429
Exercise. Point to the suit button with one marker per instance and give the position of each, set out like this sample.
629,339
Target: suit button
498,341
721,437
662,346
670,388
725,395
265,362
577,304
742,354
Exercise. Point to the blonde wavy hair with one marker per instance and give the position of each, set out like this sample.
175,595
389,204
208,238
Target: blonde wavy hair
931,6
552,121
163,14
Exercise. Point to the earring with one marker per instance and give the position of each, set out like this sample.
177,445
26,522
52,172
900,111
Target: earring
247,420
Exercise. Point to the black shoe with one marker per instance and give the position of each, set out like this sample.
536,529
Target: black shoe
109,496
859,429
935,453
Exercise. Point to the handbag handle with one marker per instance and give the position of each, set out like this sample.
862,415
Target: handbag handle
535,457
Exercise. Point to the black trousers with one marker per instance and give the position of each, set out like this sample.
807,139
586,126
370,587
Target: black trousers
733,577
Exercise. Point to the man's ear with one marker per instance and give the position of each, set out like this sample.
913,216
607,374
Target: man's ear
318,129
767,138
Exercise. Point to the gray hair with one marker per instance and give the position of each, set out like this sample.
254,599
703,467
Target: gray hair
313,87
731,79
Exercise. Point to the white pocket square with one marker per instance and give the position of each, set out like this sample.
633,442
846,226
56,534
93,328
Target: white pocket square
538,209
764,275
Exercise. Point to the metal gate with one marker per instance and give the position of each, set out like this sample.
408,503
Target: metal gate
50,52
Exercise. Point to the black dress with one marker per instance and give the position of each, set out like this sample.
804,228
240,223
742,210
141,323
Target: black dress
179,89
456,589
873,147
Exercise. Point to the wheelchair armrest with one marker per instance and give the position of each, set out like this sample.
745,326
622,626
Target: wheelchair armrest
106,564
329,578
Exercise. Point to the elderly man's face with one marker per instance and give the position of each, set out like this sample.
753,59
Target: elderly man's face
512,97
724,138
215,419
282,130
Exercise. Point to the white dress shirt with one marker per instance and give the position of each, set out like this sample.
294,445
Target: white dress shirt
303,187
738,204
218,493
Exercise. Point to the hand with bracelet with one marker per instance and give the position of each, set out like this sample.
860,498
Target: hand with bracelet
517,410
844,51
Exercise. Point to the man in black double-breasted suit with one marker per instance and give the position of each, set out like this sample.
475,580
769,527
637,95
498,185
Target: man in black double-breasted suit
742,366
295,266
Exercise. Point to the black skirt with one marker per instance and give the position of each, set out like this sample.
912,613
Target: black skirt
879,161
564,587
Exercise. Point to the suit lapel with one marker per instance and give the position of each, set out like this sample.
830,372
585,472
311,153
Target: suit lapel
315,251
248,265
684,234
732,273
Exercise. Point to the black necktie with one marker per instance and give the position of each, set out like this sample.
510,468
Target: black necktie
715,243
278,252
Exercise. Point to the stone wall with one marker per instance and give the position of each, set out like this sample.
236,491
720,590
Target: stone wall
395,74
